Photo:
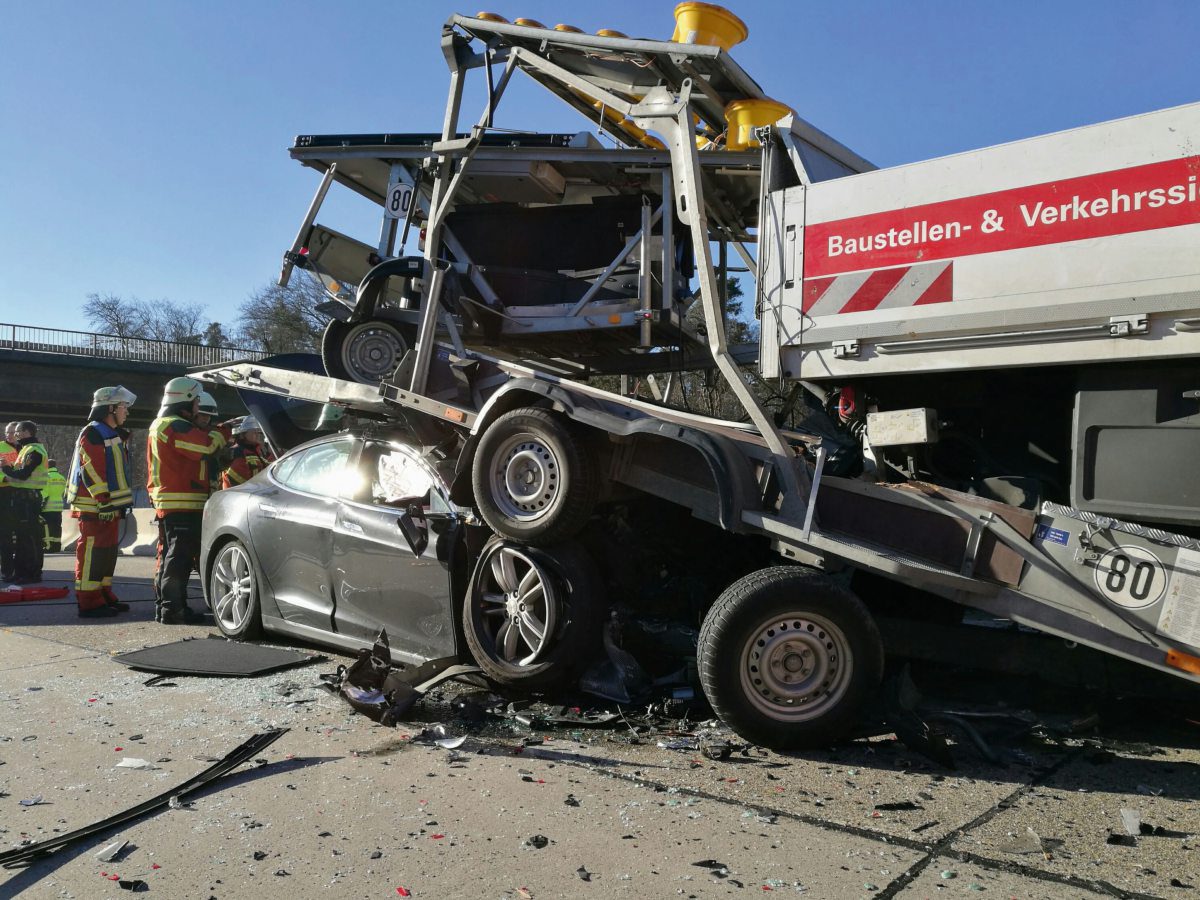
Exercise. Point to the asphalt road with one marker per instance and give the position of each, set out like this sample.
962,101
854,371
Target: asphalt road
344,807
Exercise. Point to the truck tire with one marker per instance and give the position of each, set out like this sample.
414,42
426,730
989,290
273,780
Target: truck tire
367,352
534,479
532,616
787,658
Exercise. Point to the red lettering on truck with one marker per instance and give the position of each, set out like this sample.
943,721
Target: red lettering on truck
1140,198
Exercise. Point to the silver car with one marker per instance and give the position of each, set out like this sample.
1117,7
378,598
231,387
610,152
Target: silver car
354,532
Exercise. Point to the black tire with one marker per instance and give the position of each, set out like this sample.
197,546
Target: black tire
569,607
232,592
787,658
534,479
366,352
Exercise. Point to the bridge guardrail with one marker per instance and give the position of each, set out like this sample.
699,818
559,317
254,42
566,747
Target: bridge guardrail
112,346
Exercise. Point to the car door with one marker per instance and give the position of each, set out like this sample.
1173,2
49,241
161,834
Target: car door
292,521
379,581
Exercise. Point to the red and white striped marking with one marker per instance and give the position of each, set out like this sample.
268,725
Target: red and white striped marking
879,289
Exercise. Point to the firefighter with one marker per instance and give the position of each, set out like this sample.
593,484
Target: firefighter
179,457
52,508
249,455
8,454
100,495
27,475
222,435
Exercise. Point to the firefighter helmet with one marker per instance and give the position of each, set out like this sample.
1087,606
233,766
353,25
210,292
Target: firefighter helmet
180,390
111,396
208,405
247,424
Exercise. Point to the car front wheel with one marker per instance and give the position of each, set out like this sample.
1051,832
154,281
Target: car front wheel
233,593
532,616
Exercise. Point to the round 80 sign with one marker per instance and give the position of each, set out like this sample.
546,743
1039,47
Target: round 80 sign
1131,577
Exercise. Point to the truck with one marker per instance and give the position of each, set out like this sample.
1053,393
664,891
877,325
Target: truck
980,364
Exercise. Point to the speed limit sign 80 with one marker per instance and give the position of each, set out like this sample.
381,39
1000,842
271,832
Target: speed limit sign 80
1131,577
398,200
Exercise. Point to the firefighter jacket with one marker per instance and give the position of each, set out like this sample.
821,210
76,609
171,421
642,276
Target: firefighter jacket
98,480
248,461
29,471
52,493
179,459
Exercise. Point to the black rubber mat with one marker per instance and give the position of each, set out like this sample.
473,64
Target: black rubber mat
215,656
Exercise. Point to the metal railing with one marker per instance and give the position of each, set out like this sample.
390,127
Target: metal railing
112,346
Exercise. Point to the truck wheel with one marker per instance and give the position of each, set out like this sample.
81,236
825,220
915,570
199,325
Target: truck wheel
787,658
535,481
532,615
233,593
366,352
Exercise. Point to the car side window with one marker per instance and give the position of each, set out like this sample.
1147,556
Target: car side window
397,477
317,470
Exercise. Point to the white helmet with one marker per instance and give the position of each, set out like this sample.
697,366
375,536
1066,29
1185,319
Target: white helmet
180,390
247,423
111,396
208,405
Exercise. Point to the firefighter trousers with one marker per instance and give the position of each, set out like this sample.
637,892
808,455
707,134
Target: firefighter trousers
95,560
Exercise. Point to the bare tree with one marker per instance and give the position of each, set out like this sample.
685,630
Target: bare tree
275,319
160,320
112,314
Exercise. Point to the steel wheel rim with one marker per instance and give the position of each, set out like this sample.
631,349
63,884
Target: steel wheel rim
526,478
233,583
519,606
795,667
372,351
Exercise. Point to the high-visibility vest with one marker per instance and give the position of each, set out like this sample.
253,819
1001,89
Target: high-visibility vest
52,493
37,478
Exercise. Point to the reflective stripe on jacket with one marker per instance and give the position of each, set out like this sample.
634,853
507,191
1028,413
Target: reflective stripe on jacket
52,493
247,462
35,480
100,467
177,464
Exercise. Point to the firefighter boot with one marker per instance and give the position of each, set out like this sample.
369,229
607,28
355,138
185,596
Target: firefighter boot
112,601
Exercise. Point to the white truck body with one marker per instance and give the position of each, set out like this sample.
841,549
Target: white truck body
1074,247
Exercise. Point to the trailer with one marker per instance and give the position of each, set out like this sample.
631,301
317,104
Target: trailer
982,359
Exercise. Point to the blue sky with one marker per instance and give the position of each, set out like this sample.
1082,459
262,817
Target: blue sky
144,148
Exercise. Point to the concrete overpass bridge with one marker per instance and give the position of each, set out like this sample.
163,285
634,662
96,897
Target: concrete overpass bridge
48,375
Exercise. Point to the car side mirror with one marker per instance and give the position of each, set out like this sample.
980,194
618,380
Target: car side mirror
414,528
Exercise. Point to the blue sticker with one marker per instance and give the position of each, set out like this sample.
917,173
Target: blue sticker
1053,535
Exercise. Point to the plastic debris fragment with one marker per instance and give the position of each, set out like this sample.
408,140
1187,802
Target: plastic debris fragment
584,874
32,801
112,851
537,841
1131,820
132,762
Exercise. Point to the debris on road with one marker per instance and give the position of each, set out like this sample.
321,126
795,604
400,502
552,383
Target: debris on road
382,692
112,851
245,751
132,762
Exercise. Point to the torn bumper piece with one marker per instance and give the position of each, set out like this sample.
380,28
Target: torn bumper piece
240,754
